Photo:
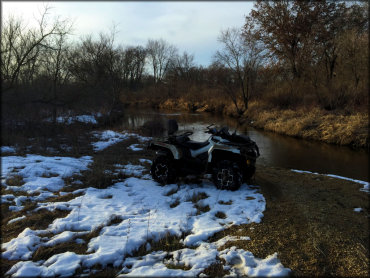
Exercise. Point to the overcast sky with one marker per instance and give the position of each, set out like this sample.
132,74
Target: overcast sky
191,26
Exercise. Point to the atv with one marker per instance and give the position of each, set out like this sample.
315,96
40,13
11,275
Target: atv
229,158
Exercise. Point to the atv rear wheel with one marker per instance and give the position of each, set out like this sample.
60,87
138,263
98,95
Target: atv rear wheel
162,170
227,175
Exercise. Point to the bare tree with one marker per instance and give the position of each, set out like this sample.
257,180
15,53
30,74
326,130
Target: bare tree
20,47
241,55
160,54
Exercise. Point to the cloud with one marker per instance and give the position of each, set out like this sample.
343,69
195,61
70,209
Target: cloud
191,26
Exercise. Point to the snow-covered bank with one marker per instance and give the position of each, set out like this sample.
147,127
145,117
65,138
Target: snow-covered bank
364,183
148,212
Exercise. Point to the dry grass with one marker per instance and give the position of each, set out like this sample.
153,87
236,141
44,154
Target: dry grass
310,223
168,243
314,124
216,269
45,252
175,203
225,203
197,197
36,220
15,180
177,266
341,127
201,208
220,214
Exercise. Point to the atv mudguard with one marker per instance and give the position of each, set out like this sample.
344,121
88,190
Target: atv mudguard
166,148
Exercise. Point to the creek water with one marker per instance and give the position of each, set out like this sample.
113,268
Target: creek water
276,150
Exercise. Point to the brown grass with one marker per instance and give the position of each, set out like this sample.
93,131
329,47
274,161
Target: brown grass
177,266
225,203
175,203
197,197
15,180
314,124
311,122
201,208
45,252
220,214
37,220
168,243
216,269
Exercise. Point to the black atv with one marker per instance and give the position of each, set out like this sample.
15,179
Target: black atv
230,158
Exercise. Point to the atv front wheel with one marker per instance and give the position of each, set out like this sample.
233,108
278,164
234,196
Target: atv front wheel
162,170
227,175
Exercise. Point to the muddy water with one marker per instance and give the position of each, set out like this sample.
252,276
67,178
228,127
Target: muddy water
276,150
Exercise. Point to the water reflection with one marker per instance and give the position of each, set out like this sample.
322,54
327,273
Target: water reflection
276,150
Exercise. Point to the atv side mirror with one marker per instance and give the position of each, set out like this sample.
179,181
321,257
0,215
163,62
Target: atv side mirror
172,126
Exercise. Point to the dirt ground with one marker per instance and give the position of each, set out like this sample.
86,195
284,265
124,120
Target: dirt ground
310,222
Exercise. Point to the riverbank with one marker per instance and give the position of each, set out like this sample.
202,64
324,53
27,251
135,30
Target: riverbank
53,201
331,127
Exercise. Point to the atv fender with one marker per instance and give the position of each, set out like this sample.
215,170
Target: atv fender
167,148
217,150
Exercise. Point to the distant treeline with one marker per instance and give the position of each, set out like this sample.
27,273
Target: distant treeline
288,54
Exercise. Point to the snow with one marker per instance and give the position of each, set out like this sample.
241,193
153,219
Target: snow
247,265
7,149
109,137
147,214
133,170
22,247
16,219
88,119
144,208
238,261
364,183
357,209
40,174
135,147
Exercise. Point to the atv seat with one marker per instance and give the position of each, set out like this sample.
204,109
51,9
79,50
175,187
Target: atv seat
193,145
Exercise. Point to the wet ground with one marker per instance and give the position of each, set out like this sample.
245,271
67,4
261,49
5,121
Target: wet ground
310,221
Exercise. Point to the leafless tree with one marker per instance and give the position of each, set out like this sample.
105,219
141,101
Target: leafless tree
160,54
241,55
20,47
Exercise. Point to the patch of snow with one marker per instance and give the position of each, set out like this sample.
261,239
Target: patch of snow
245,264
146,213
22,247
63,237
142,160
227,238
63,265
357,209
88,119
135,148
7,149
133,170
109,137
364,183
42,172
16,219
238,261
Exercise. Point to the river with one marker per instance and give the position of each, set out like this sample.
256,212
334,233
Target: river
276,150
